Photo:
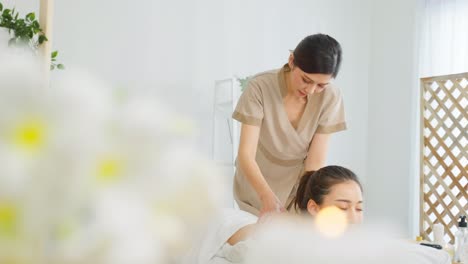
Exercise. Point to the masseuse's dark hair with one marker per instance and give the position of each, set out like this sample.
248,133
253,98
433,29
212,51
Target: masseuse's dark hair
318,53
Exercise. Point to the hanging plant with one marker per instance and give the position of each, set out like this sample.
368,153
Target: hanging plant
25,33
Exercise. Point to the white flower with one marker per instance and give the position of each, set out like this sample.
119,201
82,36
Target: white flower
88,177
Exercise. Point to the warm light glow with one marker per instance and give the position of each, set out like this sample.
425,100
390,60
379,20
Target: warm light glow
331,222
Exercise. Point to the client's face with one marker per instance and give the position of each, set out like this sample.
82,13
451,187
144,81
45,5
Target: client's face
347,196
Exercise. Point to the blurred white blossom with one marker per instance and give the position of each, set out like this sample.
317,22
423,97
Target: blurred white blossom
87,176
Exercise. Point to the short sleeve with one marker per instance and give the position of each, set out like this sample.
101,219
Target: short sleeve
332,118
249,109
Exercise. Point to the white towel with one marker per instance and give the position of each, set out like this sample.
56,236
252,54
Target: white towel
424,254
213,247
296,244
235,253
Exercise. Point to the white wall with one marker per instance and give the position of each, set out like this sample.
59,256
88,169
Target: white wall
23,7
393,87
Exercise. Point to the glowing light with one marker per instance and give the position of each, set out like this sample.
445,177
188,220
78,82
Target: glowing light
331,222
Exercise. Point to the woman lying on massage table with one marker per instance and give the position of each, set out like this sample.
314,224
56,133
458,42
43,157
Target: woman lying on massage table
329,186
234,233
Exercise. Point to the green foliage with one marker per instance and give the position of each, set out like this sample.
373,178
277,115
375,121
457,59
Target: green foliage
243,82
25,32
54,64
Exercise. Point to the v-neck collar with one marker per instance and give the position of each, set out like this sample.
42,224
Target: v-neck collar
284,91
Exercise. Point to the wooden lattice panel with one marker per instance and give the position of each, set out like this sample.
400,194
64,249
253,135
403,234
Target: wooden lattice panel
444,152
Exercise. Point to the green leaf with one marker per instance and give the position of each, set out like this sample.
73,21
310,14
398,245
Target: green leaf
243,82
41,39
31,16
6,16
25,32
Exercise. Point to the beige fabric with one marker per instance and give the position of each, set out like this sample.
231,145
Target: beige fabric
282,149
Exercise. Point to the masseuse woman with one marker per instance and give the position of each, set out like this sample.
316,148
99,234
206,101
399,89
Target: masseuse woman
287,117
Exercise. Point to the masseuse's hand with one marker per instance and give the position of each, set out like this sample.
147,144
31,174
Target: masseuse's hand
270,205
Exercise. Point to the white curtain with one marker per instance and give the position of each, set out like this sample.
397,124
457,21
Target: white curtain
444,37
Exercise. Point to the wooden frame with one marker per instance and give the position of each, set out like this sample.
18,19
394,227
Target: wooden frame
444,153
45,20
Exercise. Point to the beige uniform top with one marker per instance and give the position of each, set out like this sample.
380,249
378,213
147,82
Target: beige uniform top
282,149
